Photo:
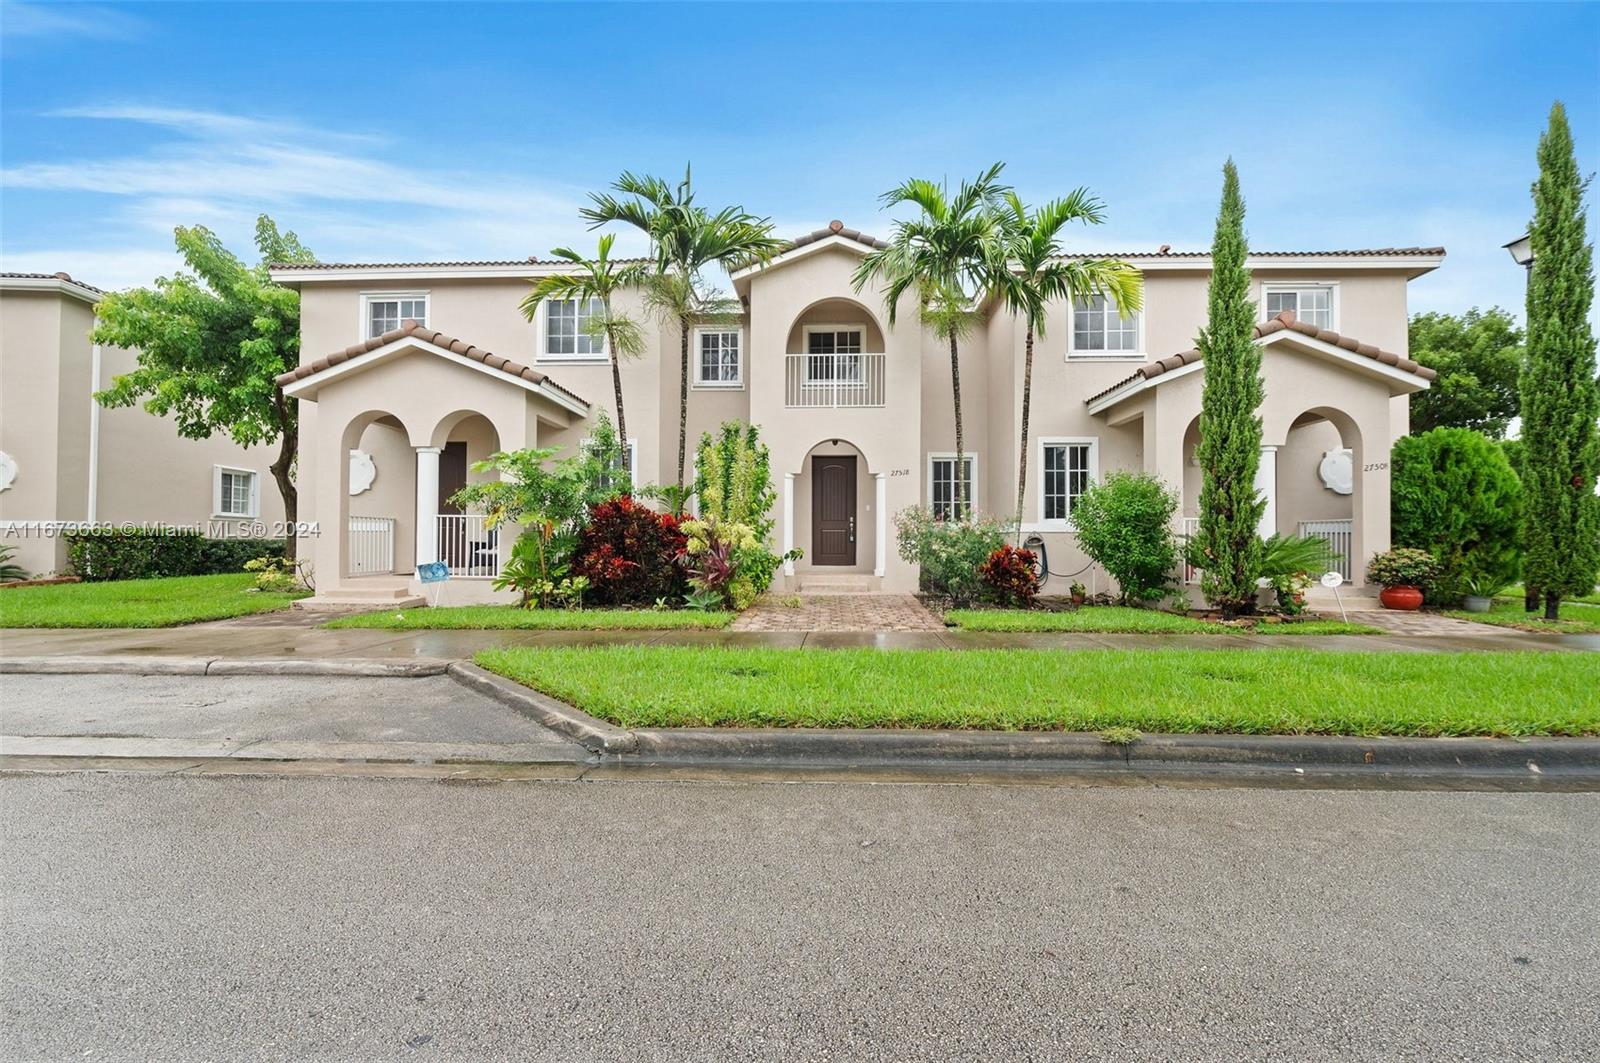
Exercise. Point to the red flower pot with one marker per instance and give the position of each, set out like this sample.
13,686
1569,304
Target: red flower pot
1403,598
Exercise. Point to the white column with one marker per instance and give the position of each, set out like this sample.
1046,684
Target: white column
1267,484
788,521
428,504
880,525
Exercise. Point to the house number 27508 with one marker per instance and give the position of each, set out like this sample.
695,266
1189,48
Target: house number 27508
1377,466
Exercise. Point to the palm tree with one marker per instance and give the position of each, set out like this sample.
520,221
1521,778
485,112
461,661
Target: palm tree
949,256
685,240
1036,275
599,278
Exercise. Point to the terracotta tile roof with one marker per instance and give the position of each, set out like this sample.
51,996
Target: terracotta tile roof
1359,252
529,261
66,277
1283,322
423,334
836,228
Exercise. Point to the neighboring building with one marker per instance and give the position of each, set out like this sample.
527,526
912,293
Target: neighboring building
412,371
63,458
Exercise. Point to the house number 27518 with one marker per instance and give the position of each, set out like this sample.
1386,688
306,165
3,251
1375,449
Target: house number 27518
899,472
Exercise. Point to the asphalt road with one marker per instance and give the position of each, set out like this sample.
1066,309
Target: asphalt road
178,918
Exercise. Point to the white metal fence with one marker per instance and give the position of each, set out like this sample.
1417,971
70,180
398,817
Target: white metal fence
371,545
1339,537
816,380
470,549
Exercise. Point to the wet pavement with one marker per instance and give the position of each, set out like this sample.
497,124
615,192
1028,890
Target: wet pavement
297,642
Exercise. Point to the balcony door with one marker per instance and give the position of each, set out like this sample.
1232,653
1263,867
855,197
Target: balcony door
833,510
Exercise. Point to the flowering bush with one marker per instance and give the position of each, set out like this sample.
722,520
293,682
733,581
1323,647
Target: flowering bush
1010,575
1403,567
949,552
628,553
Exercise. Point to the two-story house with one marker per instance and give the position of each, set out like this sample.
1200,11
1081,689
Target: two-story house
413,371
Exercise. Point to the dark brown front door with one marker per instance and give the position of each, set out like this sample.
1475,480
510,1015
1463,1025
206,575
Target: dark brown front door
452,475
833,510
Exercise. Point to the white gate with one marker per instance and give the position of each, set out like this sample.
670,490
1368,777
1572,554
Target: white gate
1339,537
371,545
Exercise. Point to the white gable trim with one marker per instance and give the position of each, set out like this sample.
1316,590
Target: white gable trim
308,387
795,254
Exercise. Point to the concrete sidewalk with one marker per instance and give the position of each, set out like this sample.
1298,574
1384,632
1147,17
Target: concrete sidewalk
314,643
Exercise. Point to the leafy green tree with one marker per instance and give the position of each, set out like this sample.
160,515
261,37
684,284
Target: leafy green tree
1478,356
733,478
1037,275
687,239
949,256
1124,523
1560,396
1228,543
210,345
1455,495
601,277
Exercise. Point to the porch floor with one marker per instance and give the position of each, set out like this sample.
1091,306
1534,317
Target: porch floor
838,612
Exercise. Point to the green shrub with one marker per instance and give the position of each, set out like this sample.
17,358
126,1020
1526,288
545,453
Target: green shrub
154,553
1455,495
1403,566
950,553
1124,524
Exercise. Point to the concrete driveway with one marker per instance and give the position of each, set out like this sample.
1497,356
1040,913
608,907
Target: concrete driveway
182,918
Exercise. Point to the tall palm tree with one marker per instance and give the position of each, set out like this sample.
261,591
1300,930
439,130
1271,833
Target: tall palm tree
685,240
599,278
949,255
1036,275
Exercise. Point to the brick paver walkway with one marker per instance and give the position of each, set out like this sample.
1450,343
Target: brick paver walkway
1398,622
838,612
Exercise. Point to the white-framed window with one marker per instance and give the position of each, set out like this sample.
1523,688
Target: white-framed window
235,492
630,458
1315,304
833,354
566,324
1066,469
1100,329
718,362
384,311
942,485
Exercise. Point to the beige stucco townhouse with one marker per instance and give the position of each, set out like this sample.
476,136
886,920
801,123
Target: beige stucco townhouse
64,460
413,371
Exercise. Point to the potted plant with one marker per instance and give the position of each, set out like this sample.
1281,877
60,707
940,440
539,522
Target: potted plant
1077,592
1402,572
1480,593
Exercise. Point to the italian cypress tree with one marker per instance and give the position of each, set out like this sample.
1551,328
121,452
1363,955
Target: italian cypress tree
1230,422
1560,397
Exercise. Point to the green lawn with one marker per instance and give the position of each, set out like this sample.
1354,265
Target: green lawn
138,602
1291,691
510,617
1116,619
1577,618
1515,591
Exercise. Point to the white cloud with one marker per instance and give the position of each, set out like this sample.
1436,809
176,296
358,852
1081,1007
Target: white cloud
67,20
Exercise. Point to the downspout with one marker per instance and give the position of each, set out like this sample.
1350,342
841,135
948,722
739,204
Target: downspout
94,429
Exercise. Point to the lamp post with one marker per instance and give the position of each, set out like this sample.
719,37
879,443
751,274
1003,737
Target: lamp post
1521,250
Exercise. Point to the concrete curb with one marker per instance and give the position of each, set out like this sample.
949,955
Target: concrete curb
1569,758
594,735
411,668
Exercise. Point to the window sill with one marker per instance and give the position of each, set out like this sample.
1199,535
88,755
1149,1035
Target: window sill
235,516
731,386
570,359
1119,356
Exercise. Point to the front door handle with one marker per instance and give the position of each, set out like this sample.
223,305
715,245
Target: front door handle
852,529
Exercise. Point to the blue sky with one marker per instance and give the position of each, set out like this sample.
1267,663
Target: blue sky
388,131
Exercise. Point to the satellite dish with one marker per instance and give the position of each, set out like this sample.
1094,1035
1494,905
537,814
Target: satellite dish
1332,580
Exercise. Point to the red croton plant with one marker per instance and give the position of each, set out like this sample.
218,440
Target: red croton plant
1009,573
630,552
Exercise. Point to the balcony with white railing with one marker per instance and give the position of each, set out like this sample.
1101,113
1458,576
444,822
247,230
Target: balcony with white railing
468,546
815,381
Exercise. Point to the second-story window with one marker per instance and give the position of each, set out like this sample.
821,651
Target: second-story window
1100,327
718,363
1311,303
386,312
566,329
833,355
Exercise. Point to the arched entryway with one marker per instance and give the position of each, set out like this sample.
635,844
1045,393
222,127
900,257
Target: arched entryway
834,511
1317,487
462,538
